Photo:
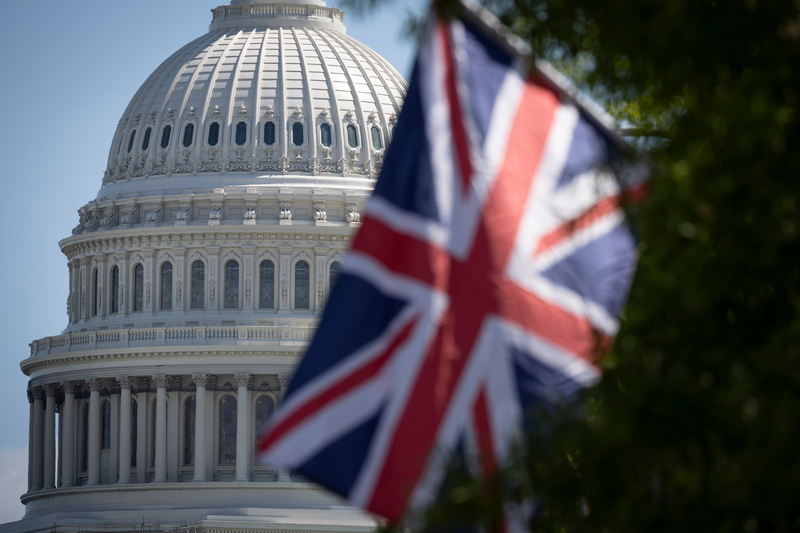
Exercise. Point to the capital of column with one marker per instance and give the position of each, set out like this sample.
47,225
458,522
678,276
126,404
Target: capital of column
244,380
124,382
160,381
38,393
95,384
202,380
70,387
51,389
30,396
284,380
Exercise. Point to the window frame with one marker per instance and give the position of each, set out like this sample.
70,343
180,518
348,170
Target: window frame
293,306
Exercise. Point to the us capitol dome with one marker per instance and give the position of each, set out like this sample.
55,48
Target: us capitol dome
233,188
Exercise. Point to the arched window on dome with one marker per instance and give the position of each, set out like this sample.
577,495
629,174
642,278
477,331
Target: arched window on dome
352,136
231,284
325,136
189,411
213,134
94,292
188,135
377,142
333,274
130,141
165,134
266,285
297,134
166,286
227,430
264,409
85,465
105,427
301,285
134,430
115,289
138,287
241,133
198,285
269,133
146,139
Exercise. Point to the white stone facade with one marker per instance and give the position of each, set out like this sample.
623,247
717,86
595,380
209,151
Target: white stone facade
197,277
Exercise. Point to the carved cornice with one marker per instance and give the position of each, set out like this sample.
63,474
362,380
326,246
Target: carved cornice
41,362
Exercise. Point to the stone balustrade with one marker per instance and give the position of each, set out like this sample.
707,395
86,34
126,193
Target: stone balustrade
178,336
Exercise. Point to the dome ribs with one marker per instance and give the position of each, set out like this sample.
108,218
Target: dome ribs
311,133
334,99
259,72
234,83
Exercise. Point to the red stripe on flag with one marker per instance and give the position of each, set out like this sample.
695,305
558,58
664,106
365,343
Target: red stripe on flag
601,209
472,298
456,118
337,390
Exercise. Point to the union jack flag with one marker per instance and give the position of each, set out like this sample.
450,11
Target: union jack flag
487,277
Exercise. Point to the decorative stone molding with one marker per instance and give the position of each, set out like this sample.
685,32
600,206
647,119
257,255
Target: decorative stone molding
111,218
157,215
38,393
71,387
319,211
243,380
94,221
94,384
51,390
352,215
173,383
250,212
160,381
286,211
215,214
124,382
185,214
204,380
140,384
130,216
284,380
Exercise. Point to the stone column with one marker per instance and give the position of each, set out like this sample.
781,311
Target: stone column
161,429
51,389
200,380
37,459
124,430
30,440
284,275
68,437
94,431
283,381
242,429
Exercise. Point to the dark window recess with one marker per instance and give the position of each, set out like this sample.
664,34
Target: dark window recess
138,287
352,136
301,285
376,138
130,141
213,134
297,134
115,289
241,133
166,286
165,136
146,140
269,133
325,134
188,135
266,298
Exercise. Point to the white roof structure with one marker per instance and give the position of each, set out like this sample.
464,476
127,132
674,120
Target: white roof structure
284,63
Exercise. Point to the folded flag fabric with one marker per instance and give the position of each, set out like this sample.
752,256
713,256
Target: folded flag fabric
487,278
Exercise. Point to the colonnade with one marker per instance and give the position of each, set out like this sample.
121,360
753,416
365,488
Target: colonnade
125,433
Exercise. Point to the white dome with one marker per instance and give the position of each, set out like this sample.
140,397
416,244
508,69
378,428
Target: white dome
284,63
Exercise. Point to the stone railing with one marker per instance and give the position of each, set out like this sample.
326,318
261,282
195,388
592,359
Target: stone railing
276,11
132,338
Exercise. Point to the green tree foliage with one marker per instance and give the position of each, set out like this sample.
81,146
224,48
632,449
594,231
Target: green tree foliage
696,423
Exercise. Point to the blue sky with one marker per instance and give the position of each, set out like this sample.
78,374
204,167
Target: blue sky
69,70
